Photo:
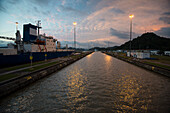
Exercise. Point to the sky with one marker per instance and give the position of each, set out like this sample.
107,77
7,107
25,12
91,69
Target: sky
100,23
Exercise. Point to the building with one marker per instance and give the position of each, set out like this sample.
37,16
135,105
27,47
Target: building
154,52
142,54
167,53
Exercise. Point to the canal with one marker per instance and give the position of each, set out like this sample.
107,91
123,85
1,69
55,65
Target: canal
96,83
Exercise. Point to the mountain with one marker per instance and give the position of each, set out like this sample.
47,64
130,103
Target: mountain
147,41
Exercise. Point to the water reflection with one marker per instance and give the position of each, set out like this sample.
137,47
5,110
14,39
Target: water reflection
76,88
96,83
128,94
108,59
88,56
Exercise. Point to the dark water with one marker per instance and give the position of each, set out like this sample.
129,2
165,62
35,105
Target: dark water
96,83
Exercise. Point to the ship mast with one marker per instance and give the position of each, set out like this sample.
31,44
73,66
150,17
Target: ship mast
38,26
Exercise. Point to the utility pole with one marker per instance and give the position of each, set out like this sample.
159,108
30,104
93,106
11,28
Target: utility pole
131,17
74,23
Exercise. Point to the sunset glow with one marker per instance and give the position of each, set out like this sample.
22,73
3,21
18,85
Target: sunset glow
98,20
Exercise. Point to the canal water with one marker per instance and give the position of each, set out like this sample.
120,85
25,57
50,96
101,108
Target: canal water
97,83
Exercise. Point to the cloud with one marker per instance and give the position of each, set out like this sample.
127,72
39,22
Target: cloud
63,2
122,35
13,1
3,42
110,43
165,19
4,4
73,11
98,20
2,7
41,2
165,31
36,10
117,10
166,13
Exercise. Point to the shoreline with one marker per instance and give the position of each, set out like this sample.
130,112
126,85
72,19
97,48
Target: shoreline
159,70
14,84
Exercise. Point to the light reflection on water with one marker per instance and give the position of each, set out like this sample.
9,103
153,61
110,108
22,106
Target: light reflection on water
96,83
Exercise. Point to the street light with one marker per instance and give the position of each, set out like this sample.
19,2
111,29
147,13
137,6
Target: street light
74,23
131,17
16,25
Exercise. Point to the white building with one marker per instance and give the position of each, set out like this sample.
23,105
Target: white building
167,53
142,54
154,52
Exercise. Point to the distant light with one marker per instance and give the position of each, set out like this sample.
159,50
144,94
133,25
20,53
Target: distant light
74,23
131,16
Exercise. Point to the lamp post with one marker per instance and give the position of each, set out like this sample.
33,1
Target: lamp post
16,25
131,17
74,23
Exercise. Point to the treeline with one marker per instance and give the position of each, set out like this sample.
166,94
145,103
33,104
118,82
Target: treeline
149,41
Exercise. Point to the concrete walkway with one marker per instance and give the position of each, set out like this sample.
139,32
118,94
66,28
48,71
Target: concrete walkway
48,61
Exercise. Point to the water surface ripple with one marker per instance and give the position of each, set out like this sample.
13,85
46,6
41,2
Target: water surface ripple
97,83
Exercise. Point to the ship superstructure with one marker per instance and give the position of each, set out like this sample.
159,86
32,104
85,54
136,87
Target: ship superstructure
38,46
34,42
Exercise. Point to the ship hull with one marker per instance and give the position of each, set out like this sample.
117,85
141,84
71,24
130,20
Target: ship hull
23,58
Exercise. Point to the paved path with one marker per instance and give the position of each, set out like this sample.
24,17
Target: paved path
20,69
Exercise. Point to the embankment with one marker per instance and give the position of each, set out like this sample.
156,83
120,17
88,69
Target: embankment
9,86
153,68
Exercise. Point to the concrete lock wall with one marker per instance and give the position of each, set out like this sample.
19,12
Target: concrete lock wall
14,84
153,68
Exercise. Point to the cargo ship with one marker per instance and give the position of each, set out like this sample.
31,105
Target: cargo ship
33,46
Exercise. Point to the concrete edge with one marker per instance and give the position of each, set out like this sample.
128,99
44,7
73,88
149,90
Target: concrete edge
15,84
152,68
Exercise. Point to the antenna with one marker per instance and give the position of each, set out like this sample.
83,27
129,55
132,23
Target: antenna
38,26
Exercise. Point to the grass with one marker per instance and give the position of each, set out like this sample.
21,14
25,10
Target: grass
39,67
8,76
12,75
163,59
76,56
158,65
22,66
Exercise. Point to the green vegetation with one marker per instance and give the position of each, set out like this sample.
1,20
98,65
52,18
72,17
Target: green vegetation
46,64
22,66
39,67
162,59
76,56
145,41
12,75
8,76
158,65
148,41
